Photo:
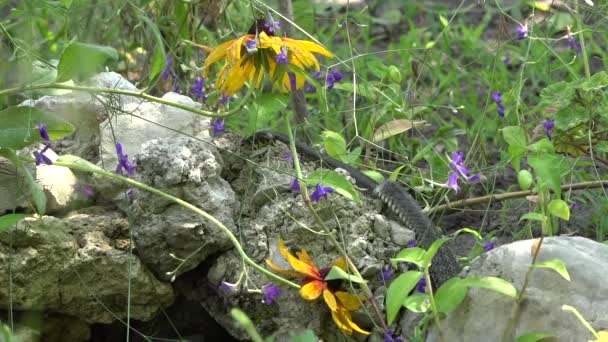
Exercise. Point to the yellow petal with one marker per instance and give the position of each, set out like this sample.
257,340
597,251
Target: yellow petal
348,301
345,323
312,290
341,263
218,53
281,270
308,46
305,257
339,322
300,266
330,300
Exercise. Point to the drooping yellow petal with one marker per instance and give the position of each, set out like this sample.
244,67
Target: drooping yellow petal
218,53
345,323
312,290
341,263
281,270
348,301
267,42
308,46
305,257
337,316
330,300
300,266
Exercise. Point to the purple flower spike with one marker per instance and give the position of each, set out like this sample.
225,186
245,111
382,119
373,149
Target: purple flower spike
227,288
459,171
387,273
44,134
168,69
295,186
270,292
390,337
522,32
333,77
123,161
488,246
549,124
497,97
218,127
421,286
41,158
411,244
250,45
320,192
573,44
224,99
197,89
282,57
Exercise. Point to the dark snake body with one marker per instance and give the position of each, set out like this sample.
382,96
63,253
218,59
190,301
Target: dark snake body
444,265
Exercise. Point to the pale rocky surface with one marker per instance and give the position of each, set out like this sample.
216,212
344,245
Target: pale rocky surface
484,314
78,266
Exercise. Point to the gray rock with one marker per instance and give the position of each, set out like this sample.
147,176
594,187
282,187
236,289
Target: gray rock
78,266
166,233
484,314
401,235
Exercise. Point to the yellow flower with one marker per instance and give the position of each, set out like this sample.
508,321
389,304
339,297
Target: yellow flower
314,285
283,59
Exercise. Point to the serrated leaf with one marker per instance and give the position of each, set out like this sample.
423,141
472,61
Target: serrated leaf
19,126
397,291
7,221
80,60
515,136
559,208
450,295
335,145
338,182
433,249
491,283
417,302
533,337
556,265
415,255
338,273
533,217
395,127
556,95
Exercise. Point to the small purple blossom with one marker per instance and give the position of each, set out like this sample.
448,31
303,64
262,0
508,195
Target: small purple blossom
390,337
459,171
387,273
175,88
292,80
497,97
198,89
421,286
488,246
251,45
289,156
282,57
85,190
123,161
41,158
549,124
224,99
295,186
44,134
506,60
333,77
309,88
218,127
168,69
574,205
227,288
271,24
411,244
270,292
320,192
522,32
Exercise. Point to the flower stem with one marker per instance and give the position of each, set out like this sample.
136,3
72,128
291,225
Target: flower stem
581,36
427,277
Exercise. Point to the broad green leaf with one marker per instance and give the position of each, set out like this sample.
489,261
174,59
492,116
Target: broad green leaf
335,145
559,208
556,95
543,145
394,75
548,170
556,265
338,273
305,336
375,175
515,154
7,221
352,158
395,127
491,283
415,255
533,337
397,291
430,254
598,81
515,136
525,179
450,295
338,182
19,126
417,302
80,60
533,217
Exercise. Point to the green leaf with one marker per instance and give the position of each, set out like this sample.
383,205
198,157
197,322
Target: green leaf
515,136
335,145
598,81
556,265
7,221
430,254
543,145
533,337
415,255
159,61
19,126
395,127
75,162
515,154
559,208
338,182
375,175
396,172
470,231
80,60
533,216
548,170
338,273
450,295
525,179
305,336
556,95
491,283
417,302
582,319
397,291
443,20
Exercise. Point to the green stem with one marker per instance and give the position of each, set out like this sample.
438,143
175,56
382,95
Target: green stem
427,277
86,167
581,36
138,94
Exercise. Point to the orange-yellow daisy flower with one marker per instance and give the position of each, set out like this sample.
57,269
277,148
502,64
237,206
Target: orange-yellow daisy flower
314,285
258,52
